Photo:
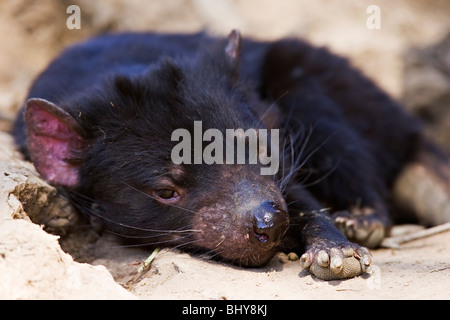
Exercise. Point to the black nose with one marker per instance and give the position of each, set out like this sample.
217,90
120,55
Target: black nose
270,223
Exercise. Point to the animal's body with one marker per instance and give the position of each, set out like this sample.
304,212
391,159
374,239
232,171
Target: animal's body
99,123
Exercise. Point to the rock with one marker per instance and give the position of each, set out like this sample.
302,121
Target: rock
32,263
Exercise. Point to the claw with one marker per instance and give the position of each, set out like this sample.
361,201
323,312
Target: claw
306,260
323,259
366,261
348,251
337,264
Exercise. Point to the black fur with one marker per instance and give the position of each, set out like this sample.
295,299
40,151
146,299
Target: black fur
344,141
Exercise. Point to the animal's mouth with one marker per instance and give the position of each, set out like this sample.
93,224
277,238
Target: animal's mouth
245,254
249,257
261,237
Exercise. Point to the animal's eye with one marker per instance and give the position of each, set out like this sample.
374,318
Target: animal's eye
166,195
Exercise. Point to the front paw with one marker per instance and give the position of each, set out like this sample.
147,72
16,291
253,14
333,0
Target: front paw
364,228
337,262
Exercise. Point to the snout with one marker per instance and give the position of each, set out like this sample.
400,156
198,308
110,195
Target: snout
245,224
270,223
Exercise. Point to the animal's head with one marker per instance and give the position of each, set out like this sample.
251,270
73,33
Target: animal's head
148,155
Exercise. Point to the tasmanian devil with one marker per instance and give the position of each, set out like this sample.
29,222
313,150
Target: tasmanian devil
135,129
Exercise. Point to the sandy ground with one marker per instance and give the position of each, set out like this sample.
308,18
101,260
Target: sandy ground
419,270
32,263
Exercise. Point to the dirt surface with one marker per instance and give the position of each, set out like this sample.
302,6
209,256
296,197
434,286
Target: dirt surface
408,57
419,270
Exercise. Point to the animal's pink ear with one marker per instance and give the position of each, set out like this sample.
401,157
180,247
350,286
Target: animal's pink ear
54,142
